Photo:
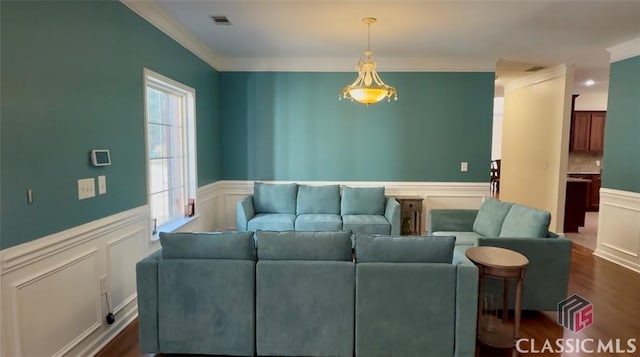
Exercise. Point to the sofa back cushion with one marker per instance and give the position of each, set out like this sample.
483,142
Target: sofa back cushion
293,245
490,216
396,249
270,198
318,199
363,200
208,246
526,222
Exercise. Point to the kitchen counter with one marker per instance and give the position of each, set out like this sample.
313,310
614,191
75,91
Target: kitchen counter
576,179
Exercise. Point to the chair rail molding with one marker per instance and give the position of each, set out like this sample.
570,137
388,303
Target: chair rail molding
66,274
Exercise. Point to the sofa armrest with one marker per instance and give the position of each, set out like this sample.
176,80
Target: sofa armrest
466,305
244,213
147,287
452,220
392,214
547,275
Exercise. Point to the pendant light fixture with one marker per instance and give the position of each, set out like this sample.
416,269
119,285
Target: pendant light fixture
368,88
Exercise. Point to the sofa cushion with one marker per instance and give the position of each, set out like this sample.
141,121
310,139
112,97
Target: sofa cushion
490,217
208,245
407,310
292,245
318,222
270,198
205,307
365,223
363,200
392,249
525,222
462,238
271,222
318,199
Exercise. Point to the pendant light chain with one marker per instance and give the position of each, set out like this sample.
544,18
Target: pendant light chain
369,36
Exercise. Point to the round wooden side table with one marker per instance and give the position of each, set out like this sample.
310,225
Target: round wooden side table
503,264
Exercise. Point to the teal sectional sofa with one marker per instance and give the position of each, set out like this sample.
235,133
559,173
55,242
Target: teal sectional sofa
196,295
519,228
302,294
283,207
414,297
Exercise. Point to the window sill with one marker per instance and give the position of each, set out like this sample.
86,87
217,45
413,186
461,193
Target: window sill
173,226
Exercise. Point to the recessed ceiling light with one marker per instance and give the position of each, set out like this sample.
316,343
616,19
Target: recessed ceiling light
220,20
589,82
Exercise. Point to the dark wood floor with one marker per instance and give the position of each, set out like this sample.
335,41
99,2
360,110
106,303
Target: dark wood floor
614,292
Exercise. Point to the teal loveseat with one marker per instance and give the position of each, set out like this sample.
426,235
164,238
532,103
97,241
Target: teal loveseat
302,294
519,228
284,207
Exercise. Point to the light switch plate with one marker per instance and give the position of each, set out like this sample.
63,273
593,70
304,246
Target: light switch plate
86,188
102,184
464,166
103,284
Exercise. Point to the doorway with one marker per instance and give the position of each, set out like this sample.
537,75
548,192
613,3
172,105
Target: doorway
588,120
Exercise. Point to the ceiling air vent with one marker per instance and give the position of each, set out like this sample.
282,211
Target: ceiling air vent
221,20
534,69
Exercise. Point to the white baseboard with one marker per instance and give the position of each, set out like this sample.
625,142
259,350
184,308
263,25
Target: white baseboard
619,228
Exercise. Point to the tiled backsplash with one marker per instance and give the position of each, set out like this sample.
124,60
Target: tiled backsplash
584,162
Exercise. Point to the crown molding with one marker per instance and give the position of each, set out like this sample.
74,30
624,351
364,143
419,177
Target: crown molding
538,77
625,50
165,22
348,65
161,19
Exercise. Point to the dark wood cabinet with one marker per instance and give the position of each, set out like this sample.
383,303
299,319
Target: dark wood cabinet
587,131
593,201
592,198
574,208
596,134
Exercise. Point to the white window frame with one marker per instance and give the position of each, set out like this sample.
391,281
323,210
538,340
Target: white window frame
190,175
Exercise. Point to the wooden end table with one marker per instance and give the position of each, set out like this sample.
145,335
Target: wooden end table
503,264
411,214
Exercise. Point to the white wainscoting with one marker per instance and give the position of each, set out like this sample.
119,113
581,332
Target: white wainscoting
435,195
619,228
52,296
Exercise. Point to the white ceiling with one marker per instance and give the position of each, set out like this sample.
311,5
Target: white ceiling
410,35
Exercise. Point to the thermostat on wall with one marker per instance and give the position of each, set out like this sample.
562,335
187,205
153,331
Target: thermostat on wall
100,157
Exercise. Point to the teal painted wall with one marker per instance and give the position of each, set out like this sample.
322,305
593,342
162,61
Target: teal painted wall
291,126
72,81
621,161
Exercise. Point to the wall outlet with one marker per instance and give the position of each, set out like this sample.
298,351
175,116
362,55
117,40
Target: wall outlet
102,184
86,188
598,163
464,166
